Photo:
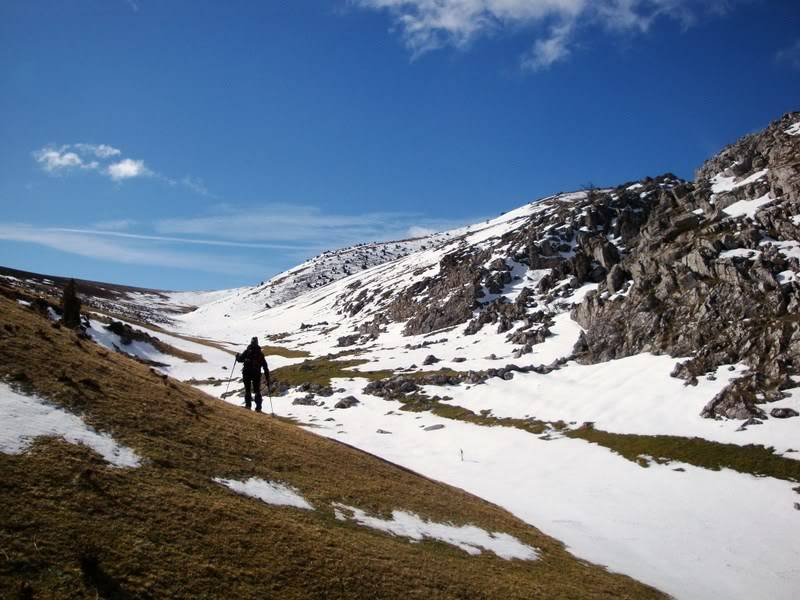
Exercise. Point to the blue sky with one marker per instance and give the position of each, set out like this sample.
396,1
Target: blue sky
206,144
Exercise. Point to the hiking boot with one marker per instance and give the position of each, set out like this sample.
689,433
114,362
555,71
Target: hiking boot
258,409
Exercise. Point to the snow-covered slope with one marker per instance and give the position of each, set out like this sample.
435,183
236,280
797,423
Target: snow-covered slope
331,266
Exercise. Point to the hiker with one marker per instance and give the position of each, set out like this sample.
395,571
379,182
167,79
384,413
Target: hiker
253,359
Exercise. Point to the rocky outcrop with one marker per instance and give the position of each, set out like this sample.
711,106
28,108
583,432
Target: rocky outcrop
442,301
708,270
712,285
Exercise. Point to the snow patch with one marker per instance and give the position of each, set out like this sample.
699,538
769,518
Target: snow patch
25,418
720,183
740,253
271,492
469,538
794,129
136,348
788,248
748,208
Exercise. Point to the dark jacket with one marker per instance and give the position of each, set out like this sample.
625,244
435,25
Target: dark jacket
253,359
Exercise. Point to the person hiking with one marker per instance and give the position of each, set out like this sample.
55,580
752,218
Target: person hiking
253,359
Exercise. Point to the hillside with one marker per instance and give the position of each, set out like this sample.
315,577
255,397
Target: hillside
617,367
160,526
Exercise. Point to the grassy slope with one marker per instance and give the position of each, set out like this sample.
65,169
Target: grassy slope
72,526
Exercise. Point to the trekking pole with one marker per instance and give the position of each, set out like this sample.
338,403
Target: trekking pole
233,368
269,393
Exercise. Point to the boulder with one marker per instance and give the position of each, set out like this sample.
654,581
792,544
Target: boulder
615,279
347,402
307,400
434,427
783,413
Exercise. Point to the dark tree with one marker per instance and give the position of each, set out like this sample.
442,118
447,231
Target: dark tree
71,306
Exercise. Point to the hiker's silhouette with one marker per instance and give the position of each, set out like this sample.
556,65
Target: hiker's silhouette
253,360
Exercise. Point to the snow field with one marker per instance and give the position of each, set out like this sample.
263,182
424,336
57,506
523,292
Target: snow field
631,395
692,533
24,418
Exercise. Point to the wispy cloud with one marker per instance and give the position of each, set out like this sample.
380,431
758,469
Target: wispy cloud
236,240
790,56
126,250
194,184
115,224
302,224
99,150
99,231
550,50
426,25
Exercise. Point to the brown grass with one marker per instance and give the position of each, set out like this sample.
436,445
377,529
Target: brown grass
284,352
72,526
321,370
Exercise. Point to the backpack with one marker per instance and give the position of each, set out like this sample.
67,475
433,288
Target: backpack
252,359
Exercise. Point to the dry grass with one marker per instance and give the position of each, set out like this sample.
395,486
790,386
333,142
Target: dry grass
72,526
754,459
284,352
322,370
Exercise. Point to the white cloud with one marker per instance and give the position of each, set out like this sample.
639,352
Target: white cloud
426,25
57,159
127,168
90,157
99,150
106,160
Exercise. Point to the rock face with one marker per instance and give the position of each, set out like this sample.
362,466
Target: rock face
709,278
708,269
